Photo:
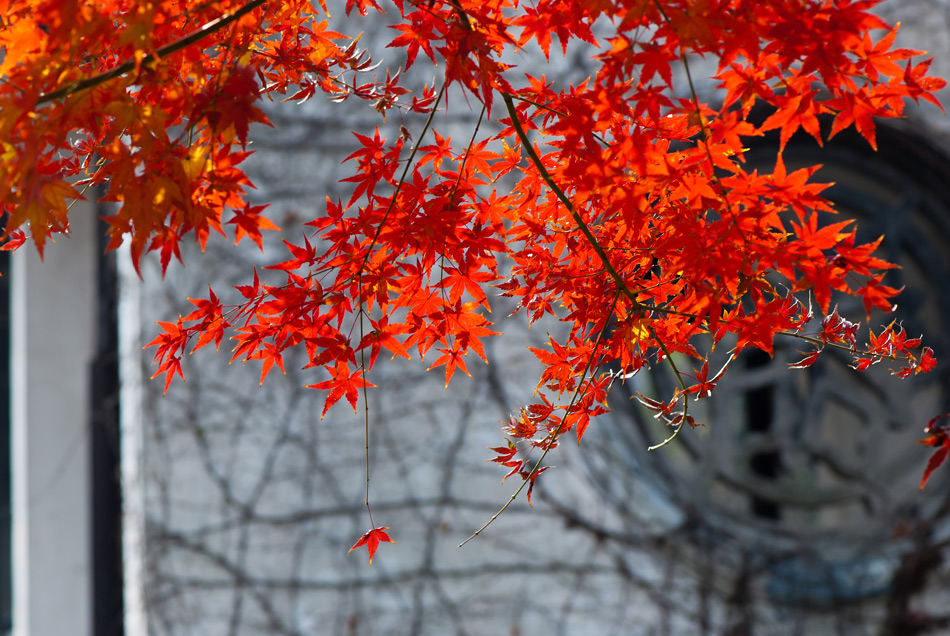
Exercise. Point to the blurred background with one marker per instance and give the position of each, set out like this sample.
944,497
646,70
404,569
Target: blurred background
224,508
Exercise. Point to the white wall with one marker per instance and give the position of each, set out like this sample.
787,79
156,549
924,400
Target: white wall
53,338
250,500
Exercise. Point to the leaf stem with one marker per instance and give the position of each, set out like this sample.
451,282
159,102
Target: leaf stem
365,410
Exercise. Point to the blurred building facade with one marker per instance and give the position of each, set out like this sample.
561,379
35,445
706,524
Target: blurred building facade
225,508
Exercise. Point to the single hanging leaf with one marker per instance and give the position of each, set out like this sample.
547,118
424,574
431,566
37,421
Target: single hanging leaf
371,540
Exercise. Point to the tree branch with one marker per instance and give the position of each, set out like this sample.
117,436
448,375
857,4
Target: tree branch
582,226
168,49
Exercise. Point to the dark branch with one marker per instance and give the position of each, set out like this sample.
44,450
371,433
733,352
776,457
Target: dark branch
168,49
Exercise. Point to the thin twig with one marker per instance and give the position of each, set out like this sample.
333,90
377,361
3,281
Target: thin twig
184,42
402,178
581,224
557,431
595,245
359,275
365,405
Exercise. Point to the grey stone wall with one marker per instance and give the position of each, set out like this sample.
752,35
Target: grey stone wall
251,500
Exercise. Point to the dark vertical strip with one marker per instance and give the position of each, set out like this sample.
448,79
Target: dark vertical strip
6,547
106,483
760,411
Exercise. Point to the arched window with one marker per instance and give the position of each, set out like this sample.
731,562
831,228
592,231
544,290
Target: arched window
811,477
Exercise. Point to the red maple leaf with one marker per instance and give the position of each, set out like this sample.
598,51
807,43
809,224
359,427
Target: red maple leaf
938,437
625,208
371,540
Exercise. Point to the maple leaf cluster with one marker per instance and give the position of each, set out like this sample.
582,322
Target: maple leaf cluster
152,102
621,205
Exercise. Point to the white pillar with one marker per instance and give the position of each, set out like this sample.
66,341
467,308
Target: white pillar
132,444
53,312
